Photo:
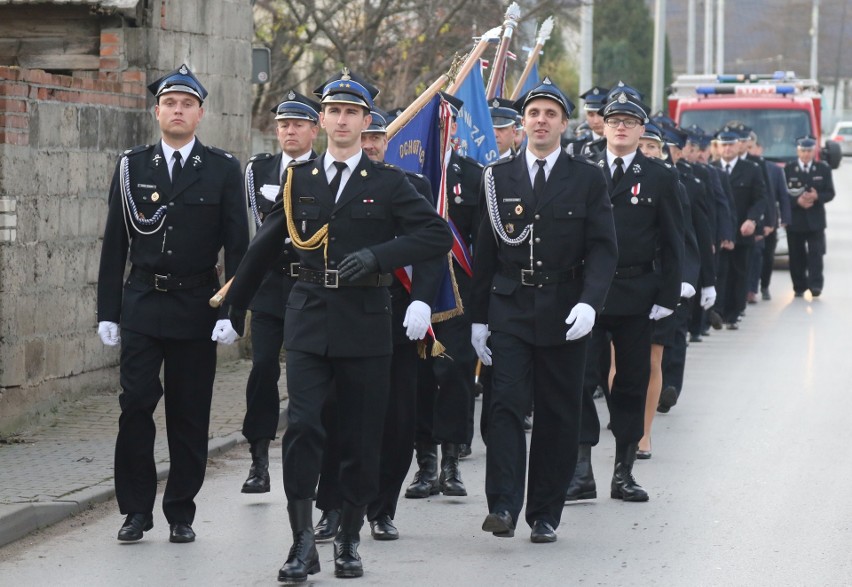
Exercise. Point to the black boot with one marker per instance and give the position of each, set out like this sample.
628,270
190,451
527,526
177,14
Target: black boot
426,478
582,484
347,562
451,481
303,559
258,478
328,526
624,486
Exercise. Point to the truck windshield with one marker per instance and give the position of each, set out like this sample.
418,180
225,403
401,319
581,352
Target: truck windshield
777,130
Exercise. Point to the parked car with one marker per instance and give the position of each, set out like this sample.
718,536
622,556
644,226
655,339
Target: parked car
842,135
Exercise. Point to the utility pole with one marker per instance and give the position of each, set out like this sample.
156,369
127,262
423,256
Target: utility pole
659,55
814,37
720,36
587,11
708,37
690,37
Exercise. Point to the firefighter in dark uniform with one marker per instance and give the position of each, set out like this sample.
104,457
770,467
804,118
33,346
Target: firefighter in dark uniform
296,128
646,286
352,221
593,100
411,308
810,186
545,255
445,383
172,207
503,119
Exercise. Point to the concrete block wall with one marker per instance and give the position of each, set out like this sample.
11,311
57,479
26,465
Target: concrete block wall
59,139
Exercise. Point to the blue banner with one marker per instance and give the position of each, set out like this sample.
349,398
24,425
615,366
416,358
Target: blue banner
475,133
532,82
417,145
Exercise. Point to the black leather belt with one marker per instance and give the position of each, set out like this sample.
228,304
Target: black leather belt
633,270
329,279
173,282
530,277
288,269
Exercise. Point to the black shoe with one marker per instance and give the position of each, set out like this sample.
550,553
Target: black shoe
695,338
258,477
134,526
527,423
732,326
500,524
798,294
450,480
328,526
181,532
715,319
624,486
668,399
582,484
382,528
643,454
464,451
303,559
347,561
542,532
705,332
764,295
425,481
815,292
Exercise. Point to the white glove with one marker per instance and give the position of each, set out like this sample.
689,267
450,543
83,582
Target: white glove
686,290
708,297
583,318
478,335
659,312
223,332
418,316
108,331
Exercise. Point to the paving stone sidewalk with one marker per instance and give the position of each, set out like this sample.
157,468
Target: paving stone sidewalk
66,464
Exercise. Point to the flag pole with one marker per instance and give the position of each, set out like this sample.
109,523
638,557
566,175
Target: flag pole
415,106
543,35
513,14
472,59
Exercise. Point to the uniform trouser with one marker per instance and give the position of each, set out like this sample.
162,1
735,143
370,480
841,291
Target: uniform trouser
262,398
485,380
189,368
723,266
553,375
755,266
445,385
735,288
631,339
770,243
674,355
397,441
360,386
598,360
806,259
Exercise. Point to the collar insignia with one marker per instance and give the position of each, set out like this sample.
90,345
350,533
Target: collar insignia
363,173
637,168
196,161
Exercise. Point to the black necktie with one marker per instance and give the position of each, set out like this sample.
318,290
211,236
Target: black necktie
176,168
334,184
619,170
728,169
540,179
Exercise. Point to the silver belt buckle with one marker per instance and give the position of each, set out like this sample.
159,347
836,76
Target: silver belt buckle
527,273
330,279
157,279
294,270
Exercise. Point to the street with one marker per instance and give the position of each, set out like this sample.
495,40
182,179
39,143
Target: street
750,484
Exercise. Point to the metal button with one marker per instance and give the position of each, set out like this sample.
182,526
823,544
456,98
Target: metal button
333,216
539,285
332,238
171,227
537,216
200,199
168,252
537,239
538,263
332,263
171,203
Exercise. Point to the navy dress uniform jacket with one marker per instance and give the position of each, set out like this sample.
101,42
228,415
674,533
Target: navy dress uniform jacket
572,228
696,191
204,213
819,178
749,192
649,226
378,209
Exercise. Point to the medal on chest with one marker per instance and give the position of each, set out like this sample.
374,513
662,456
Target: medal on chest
457,190
635,191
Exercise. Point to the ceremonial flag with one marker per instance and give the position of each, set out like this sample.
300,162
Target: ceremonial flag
422,146
475,132
532,82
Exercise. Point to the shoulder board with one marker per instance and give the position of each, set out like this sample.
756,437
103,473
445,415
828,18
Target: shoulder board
220,152
383,165
664,164
583,160
471,161
136,150
301,163
261,156
502,161
414,174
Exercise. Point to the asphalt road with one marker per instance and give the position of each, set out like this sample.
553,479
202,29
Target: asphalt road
750,484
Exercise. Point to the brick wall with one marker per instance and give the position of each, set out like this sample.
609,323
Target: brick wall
59,139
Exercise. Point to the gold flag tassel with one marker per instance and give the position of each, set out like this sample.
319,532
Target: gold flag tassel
438,349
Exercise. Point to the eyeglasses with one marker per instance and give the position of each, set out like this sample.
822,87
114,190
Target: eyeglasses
627,122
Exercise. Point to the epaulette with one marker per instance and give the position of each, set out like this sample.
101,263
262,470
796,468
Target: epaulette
502,161
135,150
383,165
472,161
300,163
220,152
661,163
414,173
261,156
584,160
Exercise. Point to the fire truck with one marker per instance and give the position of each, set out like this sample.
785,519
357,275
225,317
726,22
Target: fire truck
779,107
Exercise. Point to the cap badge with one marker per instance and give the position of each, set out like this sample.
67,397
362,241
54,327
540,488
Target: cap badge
345,75
183,70
495,103
620,84
622,98
291,95
547,81
596,91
